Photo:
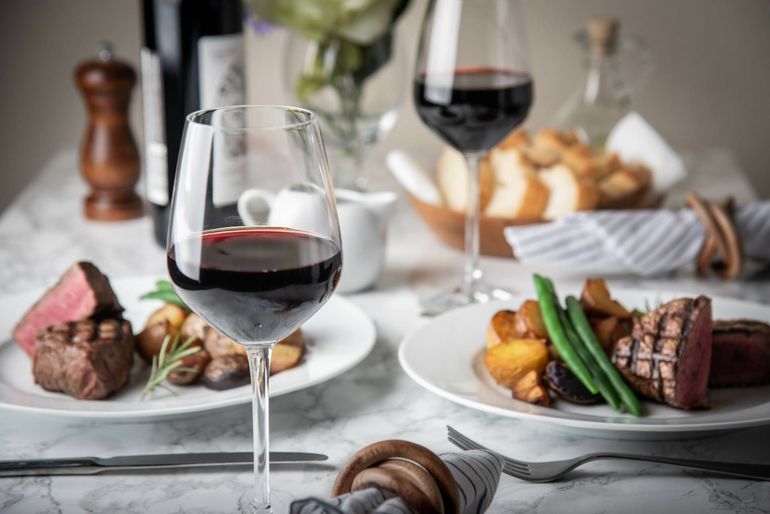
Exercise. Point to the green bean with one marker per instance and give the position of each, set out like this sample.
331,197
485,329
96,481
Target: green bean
580,322
548,309
600,379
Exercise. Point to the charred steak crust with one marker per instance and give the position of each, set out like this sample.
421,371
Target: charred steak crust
88,360
667,357
82,292
741,353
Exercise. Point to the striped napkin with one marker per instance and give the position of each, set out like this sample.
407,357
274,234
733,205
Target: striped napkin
643,242
477,473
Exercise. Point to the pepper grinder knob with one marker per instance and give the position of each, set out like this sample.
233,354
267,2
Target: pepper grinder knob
109,158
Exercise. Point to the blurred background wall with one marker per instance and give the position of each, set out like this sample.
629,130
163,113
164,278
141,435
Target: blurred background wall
710,86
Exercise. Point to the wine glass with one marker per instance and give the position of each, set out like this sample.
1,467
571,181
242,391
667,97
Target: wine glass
472,87
254,241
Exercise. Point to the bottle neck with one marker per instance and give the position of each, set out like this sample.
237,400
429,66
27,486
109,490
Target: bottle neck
602,83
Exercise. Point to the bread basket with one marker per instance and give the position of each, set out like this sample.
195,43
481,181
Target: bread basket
449,225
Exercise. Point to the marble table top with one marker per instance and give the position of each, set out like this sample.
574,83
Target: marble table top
42,233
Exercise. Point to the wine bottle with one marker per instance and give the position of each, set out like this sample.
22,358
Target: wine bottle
192,59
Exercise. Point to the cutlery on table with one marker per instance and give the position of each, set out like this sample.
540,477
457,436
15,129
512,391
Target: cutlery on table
554,470
95,465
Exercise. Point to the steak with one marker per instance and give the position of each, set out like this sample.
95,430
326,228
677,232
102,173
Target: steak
740,354
667,357
88,360
82,292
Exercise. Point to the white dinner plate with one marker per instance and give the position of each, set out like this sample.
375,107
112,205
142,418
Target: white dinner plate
445,357
338,337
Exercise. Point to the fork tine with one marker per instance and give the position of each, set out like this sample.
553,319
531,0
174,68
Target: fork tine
466,443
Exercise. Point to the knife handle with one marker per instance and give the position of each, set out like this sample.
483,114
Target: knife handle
80,466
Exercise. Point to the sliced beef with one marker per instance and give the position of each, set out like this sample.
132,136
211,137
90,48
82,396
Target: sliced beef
88,360
668,354
82,292
740,354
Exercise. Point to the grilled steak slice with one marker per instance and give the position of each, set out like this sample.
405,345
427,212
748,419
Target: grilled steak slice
668,354
88,360
740,354
82,292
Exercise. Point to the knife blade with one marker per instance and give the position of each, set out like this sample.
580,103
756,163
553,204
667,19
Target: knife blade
96,465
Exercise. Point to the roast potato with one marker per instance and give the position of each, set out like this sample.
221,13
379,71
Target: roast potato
596,299
510,360
287,353
194,326
610,330
194,365
529,388
528,322
219,345
163,322
149,340
226,372
502,327
174,314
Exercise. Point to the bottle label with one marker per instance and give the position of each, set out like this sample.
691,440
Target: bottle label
155,151
221,83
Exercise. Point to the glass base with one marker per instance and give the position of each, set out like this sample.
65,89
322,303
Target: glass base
259,508
454,298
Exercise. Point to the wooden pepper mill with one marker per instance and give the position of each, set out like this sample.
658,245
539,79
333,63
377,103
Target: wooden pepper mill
109,159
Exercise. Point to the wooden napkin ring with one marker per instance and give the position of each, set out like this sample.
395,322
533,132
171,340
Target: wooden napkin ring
383,464
722,250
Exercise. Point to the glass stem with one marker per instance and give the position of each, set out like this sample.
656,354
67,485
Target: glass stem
472,273
259,364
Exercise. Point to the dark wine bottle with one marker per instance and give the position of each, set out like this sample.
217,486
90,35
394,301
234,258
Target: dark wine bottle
192,59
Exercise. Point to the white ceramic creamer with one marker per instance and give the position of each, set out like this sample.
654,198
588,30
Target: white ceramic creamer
363,219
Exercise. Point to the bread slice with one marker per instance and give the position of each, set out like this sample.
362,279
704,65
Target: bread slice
519,193
452,178
580,159
569,192
515,139
625,187
605,163
554,140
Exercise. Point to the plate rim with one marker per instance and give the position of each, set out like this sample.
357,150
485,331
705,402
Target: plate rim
366,340
589,425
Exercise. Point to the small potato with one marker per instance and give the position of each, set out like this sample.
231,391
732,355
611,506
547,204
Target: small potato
529,388
197,363
219,345
194,326
226,372
596,299
174,314
610,330
149,340
287,353
502,327
528,322
510,360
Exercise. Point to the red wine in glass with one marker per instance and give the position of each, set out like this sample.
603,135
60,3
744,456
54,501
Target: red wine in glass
255,283
473,109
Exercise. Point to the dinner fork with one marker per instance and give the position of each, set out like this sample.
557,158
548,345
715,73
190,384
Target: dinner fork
554,470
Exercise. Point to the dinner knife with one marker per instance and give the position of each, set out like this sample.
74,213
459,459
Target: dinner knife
96,465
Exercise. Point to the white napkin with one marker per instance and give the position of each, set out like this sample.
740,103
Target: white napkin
477,473
635,141
644,242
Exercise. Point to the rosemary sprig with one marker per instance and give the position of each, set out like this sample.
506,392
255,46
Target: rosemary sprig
167,360
164,291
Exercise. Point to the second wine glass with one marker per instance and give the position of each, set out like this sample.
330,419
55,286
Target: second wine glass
472,87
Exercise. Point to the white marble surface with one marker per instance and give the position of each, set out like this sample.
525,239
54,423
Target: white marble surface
42,233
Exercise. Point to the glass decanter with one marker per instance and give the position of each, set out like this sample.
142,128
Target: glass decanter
602,97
